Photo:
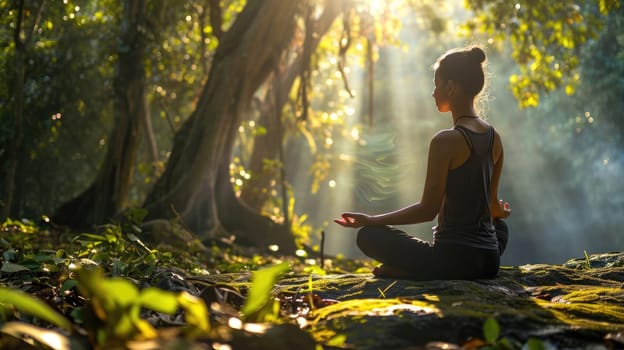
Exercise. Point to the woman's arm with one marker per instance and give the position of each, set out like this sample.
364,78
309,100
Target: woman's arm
440,151
498,208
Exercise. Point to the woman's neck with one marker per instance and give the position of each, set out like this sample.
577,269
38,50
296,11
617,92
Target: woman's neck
458,113
461,106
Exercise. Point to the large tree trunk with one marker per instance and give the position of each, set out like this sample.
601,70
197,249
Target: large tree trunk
267,146
248,52
108,194
257,191
243,221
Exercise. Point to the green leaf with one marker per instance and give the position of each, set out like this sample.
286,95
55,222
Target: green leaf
608,5
33,306
119,291
11,267
491,330
196,312
158,300
338,340
89,281
136,215
9,254
93,236
68,284
259,296
114,293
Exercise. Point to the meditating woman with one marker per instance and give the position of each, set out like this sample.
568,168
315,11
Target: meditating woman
461,189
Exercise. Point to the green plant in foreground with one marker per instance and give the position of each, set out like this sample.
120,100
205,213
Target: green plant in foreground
116,304
16,299
260,306
11,300
491,334
112,313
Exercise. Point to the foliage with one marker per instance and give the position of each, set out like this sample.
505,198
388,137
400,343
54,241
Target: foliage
545,39
32,306
104,284
493,341
116,303
70,51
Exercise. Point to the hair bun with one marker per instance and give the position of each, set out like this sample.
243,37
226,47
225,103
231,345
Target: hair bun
478,54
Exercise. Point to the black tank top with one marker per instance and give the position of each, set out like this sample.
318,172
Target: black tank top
465,217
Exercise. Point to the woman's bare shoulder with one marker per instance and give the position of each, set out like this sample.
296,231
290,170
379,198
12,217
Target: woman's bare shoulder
446,133
447,136
447,141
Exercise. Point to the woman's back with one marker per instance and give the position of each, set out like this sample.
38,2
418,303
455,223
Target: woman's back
465,217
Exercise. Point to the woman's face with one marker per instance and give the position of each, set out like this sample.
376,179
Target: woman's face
440,94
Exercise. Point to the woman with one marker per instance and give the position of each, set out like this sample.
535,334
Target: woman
461,188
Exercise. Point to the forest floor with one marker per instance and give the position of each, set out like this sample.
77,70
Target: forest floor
108,289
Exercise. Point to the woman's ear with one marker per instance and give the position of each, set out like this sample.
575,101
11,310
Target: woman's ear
451,87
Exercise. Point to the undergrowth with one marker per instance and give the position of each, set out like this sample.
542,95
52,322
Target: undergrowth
108,288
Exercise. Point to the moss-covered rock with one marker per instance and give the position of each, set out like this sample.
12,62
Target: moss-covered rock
579,304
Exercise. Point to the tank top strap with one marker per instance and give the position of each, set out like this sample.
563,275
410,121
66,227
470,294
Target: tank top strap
491,146
465,134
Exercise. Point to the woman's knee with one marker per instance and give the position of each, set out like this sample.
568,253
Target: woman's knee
364,236
500,225
367,237
502,234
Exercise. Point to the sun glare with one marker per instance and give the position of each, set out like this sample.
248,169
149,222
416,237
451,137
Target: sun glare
376,7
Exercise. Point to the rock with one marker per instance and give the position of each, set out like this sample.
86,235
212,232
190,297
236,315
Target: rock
576,305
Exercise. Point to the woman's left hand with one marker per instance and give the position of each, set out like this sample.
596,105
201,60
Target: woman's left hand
501,211
354,220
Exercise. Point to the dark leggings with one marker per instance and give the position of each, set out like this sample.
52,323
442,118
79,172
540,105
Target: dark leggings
422,261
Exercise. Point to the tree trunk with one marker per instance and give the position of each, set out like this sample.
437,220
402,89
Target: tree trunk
108,194
257,191
267,146
243,221
247,53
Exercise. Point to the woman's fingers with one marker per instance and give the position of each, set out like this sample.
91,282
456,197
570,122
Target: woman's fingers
503,210
341,221
347,220
344,221
505,207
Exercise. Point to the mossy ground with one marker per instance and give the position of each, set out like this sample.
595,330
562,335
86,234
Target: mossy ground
579,304
575,305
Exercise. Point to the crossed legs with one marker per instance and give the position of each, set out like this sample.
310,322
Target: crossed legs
405,256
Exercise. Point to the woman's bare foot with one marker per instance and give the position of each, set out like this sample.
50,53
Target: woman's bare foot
386,271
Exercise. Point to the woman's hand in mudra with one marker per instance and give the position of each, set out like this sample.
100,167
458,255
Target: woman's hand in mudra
501,210
354,220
